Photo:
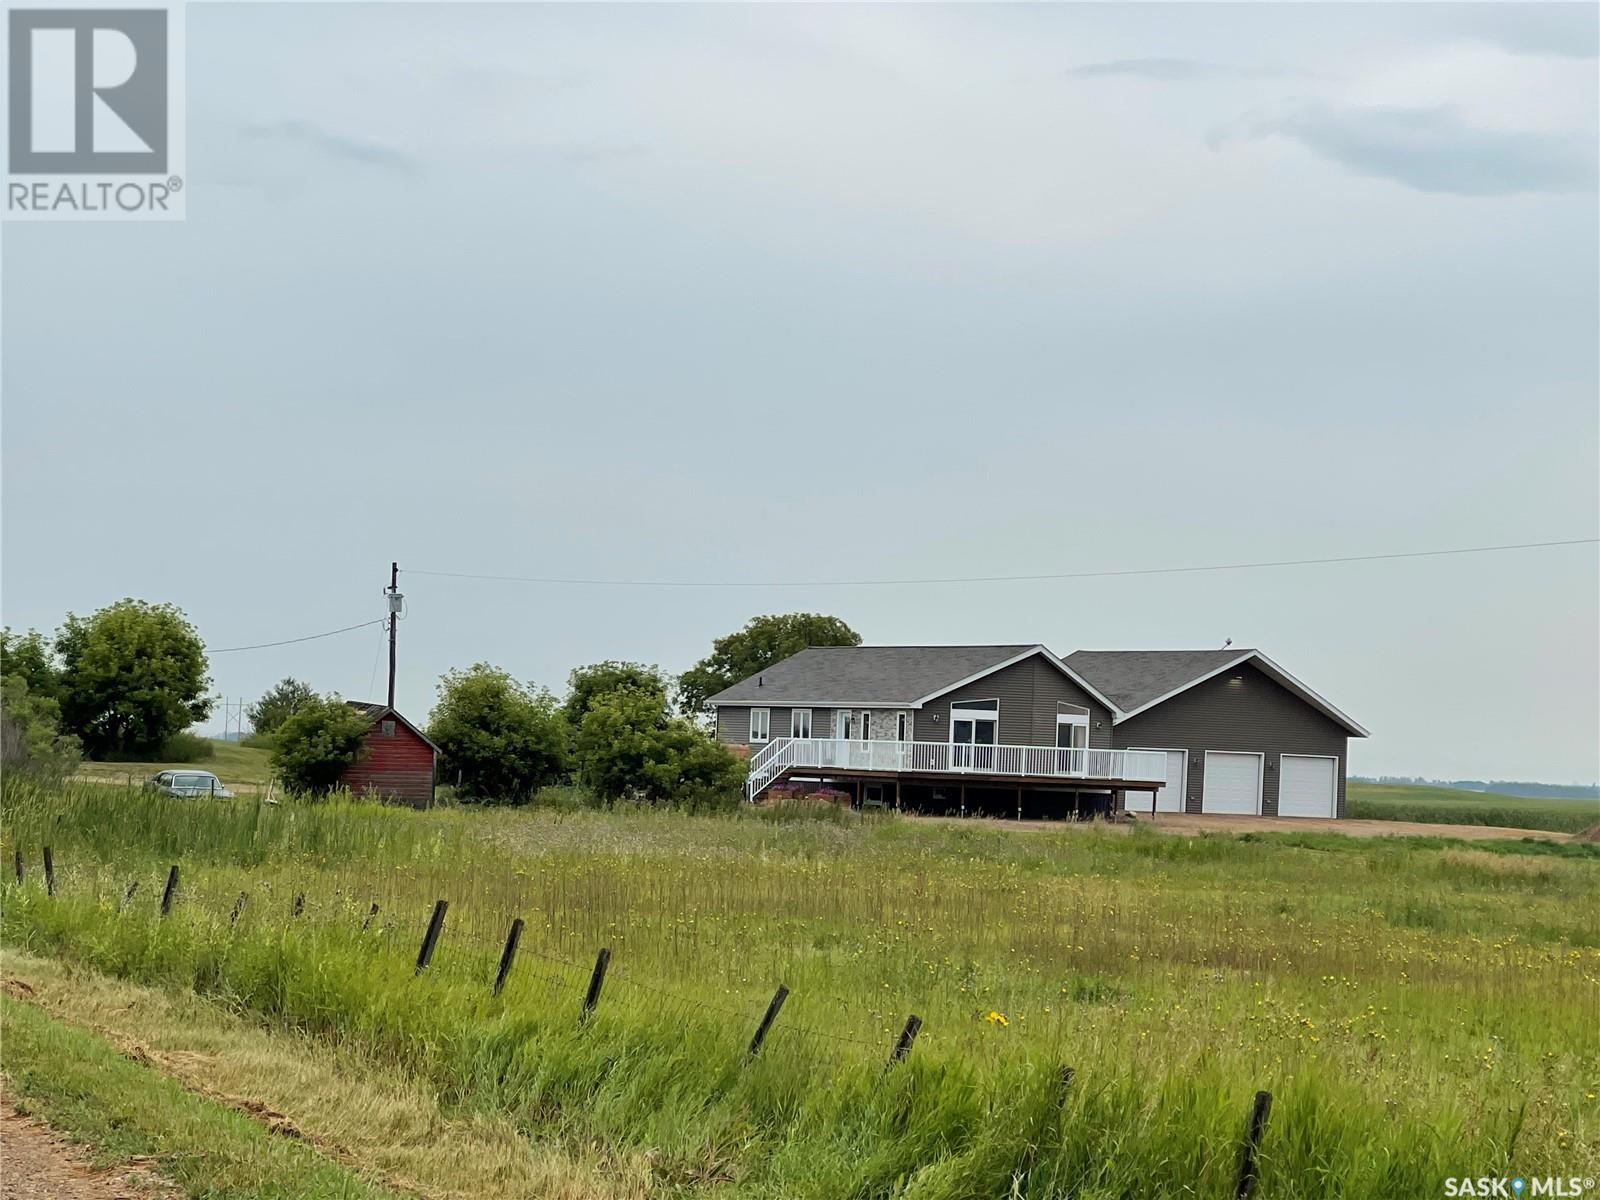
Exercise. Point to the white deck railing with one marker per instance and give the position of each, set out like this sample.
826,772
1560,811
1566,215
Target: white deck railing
837,754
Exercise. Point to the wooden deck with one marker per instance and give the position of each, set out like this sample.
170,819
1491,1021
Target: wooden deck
954,779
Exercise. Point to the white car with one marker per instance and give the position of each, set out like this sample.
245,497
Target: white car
187,783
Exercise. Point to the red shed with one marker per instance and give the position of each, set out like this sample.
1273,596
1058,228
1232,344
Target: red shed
399,764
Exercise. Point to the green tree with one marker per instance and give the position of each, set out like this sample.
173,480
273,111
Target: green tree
762,642
278,704
30,735
29,657
628,748
317,744
499,740
132,675
585,684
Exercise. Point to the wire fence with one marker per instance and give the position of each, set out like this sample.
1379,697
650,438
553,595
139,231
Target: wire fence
596,978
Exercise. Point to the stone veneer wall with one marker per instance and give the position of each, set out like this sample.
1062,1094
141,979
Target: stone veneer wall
883,723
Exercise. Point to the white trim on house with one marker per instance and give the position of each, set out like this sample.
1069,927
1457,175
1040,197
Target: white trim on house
1261,778
766,725
972,716
1272,669
902,726
1012,661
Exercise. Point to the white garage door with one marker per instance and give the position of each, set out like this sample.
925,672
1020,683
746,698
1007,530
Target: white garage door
1170,797
1233,783
1307,787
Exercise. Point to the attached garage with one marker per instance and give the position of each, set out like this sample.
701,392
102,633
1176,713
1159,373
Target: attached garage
1307,786
1232,783
1170,798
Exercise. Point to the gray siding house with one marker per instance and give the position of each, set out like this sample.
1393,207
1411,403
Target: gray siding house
1015,729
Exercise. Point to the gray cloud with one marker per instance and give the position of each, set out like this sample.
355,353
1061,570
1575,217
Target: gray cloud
1168,70
1559,30
336,146
1430,149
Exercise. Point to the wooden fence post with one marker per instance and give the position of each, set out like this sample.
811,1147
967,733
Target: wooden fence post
170,890
431,938
49,872
127,896
238,907
778,997
371,912
596,982
902,1045
17,862
1252,1141
299,905
508,954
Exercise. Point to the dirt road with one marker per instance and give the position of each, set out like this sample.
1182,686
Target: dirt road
37,1163
1191,823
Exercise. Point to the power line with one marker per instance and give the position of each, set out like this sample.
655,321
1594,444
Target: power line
310,637
818,583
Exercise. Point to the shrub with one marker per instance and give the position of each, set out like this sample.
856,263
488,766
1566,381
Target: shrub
318,744
30,738
628,748
587,684
499,740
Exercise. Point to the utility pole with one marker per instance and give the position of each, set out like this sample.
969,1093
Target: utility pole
394,616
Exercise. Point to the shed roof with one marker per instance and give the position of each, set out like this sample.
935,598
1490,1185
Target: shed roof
372,710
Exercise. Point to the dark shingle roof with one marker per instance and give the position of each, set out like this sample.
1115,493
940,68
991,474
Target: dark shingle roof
869,675
1135,677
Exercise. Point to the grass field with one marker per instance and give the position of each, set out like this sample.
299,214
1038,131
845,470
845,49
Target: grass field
1418,1008
1451,806
240,767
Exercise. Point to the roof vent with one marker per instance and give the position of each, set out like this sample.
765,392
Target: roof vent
761,681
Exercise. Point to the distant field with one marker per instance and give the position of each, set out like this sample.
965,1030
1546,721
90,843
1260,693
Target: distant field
1450,806
232,763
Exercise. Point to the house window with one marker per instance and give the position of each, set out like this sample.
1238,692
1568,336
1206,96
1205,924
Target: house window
902,727
760,724
387,728
866,725
841,724
1072,726
800,723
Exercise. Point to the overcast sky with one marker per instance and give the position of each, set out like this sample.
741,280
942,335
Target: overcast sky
798,293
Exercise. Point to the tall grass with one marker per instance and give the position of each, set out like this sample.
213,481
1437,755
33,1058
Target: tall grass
1401,1001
